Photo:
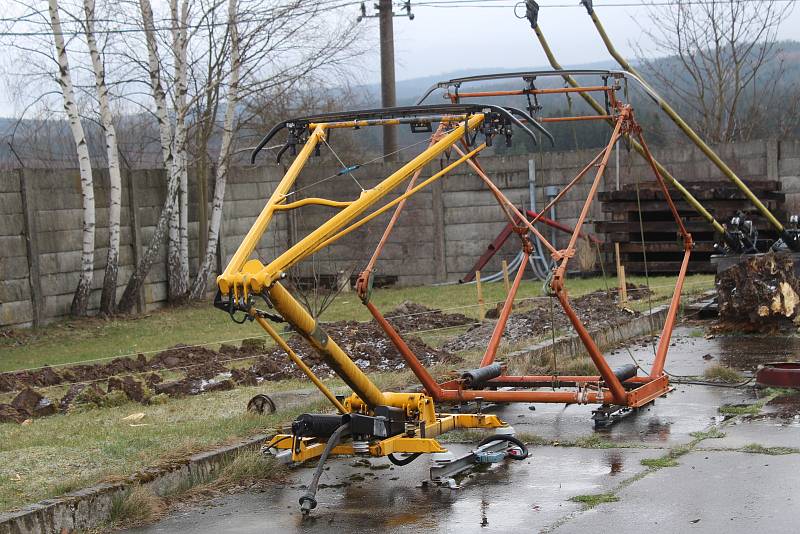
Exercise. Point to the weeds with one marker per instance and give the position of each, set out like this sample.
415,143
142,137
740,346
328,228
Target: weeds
659,463
755,448
722,373
251,466
594,441
741,409
139,505
711,433
592,500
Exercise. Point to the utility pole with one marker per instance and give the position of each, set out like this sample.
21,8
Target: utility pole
388,88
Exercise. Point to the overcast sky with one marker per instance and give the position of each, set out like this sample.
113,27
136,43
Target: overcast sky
446,39
443,40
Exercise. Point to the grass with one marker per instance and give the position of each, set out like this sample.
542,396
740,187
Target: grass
138,505
659,463
722,373
592,500
711,433
89,339
84,448
741,409
756,448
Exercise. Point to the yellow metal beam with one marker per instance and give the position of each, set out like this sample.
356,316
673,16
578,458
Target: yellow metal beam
315,201
272,271
232,273
301,364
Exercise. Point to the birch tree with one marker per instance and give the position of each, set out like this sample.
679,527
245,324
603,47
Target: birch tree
108,298
179,221
223,163
128,300
80,300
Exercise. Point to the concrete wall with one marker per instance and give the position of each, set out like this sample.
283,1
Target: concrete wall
444,229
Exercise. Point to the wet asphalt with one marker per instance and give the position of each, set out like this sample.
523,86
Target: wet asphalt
715,488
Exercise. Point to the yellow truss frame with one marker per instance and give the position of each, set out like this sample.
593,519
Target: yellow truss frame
244,276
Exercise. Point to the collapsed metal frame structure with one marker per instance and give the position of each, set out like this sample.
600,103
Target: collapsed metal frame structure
408,422
384,423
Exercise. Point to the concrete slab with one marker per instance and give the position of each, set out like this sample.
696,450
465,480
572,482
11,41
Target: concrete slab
712,492
765,432
523,496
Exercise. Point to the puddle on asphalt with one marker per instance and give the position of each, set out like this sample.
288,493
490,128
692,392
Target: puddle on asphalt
524,495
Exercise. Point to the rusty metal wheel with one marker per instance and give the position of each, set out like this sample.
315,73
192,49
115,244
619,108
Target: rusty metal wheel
261,404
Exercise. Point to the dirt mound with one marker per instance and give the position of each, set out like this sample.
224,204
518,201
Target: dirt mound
410,317
596,309
366,344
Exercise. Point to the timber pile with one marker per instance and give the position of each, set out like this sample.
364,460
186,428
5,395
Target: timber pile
664,249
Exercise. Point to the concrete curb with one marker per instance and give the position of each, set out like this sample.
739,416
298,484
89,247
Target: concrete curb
90,507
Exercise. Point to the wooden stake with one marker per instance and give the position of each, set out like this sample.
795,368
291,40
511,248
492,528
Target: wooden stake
481,305
623,286
505,277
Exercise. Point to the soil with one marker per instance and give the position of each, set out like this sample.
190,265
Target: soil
412,317
595,310
209,370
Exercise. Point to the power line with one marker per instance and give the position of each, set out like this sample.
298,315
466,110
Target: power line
73,33
495,4
449,4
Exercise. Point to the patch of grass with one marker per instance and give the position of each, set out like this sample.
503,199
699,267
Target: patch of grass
695,333
594,441
741,409
755,448
99,445
134,507
780,392
711,433
592,500
529,438
251,466
659,463
722,373
472,435
199,323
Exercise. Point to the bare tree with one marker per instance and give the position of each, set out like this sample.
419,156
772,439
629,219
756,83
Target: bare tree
179,221
258,57
128,300
223,163
80,300
108,298
722,61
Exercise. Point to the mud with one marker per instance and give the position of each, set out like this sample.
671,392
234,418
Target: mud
412,317
206,370
365,342
595,310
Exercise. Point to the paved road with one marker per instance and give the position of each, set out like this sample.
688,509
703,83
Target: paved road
715,488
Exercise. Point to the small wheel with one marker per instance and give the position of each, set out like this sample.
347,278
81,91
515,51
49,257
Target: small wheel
261,404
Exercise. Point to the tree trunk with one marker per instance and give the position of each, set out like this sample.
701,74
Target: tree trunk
203,273
108,299
80,300
179,235
128,300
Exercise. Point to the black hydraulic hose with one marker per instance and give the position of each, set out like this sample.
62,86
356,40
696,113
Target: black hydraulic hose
308,501
404,461
510,439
